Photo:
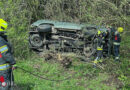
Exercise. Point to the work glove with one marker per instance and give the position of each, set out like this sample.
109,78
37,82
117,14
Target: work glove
14,67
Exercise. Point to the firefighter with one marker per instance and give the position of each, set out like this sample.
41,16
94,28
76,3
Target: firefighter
109,40
105,43
116,42
6,59
100,42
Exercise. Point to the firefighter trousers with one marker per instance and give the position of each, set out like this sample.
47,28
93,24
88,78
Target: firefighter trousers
116,51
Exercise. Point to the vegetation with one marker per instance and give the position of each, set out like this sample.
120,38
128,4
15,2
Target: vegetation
21,13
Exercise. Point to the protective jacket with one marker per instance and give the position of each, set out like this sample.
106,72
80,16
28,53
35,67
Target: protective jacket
116,43
99,48
117,38
6,60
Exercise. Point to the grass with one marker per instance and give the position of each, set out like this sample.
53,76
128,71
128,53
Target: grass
84,76
114,76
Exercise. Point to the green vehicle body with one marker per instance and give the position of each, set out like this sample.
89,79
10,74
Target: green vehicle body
57,24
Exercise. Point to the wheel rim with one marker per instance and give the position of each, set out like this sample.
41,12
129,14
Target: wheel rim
36,40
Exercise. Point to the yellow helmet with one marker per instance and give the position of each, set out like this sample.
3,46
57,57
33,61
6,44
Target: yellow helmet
3,25
99,32
120,29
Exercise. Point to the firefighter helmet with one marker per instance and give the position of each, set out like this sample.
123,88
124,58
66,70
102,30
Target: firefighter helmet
3,25
120,29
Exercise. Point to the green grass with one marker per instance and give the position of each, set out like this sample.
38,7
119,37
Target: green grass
114,76
84,76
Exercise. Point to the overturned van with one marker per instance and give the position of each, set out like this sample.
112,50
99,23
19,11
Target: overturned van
63,36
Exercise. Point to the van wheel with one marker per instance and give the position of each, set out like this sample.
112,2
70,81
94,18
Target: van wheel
36,40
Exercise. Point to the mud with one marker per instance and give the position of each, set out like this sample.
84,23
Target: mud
64,60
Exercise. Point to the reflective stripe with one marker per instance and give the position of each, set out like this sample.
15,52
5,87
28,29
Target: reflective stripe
99,48
4,67
4,23
3,49
116,43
